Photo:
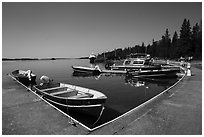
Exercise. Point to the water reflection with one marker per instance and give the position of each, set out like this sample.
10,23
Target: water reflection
138,82
96,76
132,81
86,75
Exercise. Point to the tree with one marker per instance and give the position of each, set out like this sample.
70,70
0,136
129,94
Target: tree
199,41
167,44
188,44
194,41
143,48
164,45
196,47
174,46
185,39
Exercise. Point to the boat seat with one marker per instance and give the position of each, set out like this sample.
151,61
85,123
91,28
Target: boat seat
55,89
83,96
62,92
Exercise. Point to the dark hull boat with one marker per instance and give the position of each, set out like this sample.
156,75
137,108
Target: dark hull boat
78,74
155,73
135,64
135,67
73,98
90,70
23,76
86,75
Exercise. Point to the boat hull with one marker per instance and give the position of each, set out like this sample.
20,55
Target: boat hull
93,111
73,102
86,70
156,73
132,67
86,105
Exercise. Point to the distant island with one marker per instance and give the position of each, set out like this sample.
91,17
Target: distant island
15,59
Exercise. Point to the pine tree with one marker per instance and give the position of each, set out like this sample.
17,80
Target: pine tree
164,45
143,48
167,44
185,39
174,46
197,41
194,41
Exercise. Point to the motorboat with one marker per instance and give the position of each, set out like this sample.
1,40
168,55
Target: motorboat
72,98
92,70
26,77
135,64
155,73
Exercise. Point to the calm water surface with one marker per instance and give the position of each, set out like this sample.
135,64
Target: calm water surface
123,93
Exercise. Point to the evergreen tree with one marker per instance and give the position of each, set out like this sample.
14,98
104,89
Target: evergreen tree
143,48
197,40
174,46
167,44
161,47
154,49
185,39
188,44
194,41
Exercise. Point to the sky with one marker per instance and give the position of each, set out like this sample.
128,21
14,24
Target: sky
77,29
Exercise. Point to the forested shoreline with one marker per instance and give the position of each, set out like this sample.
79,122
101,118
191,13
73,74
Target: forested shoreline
186,43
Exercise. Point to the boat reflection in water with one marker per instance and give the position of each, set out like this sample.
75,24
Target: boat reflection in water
143,81
85,75
131,80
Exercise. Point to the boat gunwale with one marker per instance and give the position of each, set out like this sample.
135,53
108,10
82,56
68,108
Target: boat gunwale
12,73
82,69
103,96
75,106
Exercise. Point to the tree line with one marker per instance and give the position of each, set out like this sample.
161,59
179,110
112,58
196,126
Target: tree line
188,43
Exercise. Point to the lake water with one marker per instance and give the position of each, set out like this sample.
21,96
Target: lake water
123,93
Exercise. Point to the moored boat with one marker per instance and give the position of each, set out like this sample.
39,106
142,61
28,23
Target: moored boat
73,98
92,70
26,77
155,73
135,64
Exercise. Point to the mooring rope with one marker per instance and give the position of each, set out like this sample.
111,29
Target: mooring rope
99,115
